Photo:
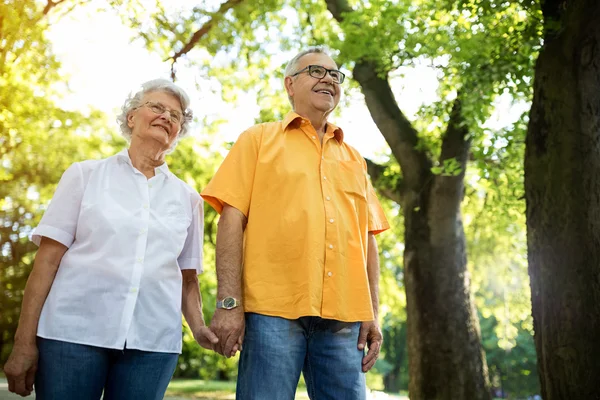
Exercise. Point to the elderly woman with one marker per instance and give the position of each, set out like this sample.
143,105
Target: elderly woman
120,248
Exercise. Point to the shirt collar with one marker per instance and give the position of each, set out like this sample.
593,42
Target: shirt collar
294,119
123,155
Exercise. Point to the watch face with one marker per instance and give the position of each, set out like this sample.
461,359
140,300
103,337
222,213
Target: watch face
228,302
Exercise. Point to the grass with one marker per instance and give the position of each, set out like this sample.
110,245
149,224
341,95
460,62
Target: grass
214,390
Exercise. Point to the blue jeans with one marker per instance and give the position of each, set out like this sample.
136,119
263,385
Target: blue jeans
276,350
69,371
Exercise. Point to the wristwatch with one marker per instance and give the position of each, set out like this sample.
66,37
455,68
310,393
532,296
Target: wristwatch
228,303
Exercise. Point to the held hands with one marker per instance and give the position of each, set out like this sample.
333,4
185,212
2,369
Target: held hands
205,337
229,327
370,335
20,369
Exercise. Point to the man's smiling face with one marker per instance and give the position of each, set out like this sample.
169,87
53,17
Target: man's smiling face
311,94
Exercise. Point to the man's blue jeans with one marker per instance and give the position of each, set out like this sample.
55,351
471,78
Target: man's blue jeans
69,371
276,350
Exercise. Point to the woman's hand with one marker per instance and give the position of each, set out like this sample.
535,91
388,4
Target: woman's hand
20,369
205,337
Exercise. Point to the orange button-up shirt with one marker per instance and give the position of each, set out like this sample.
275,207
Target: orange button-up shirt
309,208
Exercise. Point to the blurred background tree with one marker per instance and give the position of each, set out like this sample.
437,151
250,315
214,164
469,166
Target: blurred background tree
481,52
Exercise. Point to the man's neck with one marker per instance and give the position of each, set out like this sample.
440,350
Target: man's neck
318,120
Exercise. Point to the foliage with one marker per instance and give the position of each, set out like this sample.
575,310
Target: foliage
39,140
483,49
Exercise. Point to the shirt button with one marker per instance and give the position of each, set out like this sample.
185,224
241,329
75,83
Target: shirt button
145,206
149,185
331,246
329,273
314,137
133,290
328,198
331,221
140,259
325,178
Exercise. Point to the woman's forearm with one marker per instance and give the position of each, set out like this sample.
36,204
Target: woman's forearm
45,266
191,301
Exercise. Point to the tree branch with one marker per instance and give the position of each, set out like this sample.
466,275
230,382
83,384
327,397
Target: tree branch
203,31
376,172
50,5
449,190
397,130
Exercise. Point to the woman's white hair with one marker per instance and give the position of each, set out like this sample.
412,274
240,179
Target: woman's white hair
292,65
156,85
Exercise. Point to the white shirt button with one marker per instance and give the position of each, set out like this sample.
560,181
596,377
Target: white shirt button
314,137
329,273
328,198
133,290
140,259
149,185
331,246
331,221
325,178
145,206
142,231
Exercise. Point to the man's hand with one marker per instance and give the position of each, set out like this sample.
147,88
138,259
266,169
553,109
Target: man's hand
20,369
206,338
228,326
370,335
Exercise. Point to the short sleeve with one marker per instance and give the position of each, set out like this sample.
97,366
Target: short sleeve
191,254
377,220
60,219
233,182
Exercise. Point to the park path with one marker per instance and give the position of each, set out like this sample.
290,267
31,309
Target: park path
6,395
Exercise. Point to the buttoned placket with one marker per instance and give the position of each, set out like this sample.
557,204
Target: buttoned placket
327,189
145,188
330,216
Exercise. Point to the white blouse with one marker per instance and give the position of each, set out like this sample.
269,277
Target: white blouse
128,237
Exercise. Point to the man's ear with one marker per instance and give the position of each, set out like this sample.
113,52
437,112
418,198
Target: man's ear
289,85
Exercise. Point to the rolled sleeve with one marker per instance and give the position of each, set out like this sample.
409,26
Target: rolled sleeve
191,254
60,219
377,220
233,182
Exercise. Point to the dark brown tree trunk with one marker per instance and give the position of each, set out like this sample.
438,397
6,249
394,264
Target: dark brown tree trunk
446,359
562,185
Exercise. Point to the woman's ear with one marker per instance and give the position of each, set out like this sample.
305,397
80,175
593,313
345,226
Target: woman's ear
130,120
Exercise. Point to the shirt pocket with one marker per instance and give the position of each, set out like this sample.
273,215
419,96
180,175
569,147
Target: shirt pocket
176,216
352,178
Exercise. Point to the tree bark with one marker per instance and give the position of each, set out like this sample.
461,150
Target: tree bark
446,359
562,187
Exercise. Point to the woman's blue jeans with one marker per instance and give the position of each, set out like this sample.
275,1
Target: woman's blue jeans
69,371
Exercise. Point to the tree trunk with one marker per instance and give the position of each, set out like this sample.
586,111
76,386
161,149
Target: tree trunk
562,186
446,360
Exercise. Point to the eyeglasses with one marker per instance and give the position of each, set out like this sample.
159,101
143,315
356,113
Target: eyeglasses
175,116
319,72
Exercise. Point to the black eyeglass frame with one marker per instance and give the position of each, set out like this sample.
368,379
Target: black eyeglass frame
311,72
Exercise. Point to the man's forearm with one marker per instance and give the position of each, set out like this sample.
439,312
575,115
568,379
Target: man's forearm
230,235
373,273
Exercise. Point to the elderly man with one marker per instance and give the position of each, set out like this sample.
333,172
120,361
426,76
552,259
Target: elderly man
306,298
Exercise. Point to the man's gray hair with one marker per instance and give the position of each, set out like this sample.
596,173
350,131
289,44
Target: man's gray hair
157,85
292,65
